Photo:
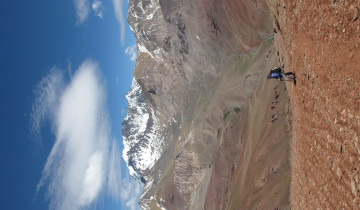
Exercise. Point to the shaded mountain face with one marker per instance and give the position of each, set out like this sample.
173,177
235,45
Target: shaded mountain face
201,115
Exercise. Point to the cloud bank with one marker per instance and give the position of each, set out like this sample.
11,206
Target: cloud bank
118,8
84,162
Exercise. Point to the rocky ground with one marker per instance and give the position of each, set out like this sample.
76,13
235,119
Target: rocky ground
319,40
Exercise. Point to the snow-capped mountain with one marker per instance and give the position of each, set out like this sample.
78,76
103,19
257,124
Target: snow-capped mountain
142,16
141,134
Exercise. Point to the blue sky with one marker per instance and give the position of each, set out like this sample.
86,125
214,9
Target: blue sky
65,69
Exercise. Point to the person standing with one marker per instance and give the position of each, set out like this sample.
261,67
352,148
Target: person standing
277,73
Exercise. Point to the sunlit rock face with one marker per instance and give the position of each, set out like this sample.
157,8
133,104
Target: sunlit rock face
197,62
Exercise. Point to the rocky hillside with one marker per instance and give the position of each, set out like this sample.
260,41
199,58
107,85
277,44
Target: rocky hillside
206,130
203,123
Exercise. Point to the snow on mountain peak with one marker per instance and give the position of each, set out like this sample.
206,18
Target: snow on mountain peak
141,134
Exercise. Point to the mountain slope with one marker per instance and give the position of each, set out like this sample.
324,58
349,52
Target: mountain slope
199,111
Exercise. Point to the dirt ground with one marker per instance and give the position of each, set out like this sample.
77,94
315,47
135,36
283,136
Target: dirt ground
319,41
251,168
261,178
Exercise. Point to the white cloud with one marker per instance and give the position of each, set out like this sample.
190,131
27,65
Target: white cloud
82,8
98,8
79,163
46,100
118,8
93,179
132,52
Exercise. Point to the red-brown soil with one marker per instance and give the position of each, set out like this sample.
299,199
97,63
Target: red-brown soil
319,40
